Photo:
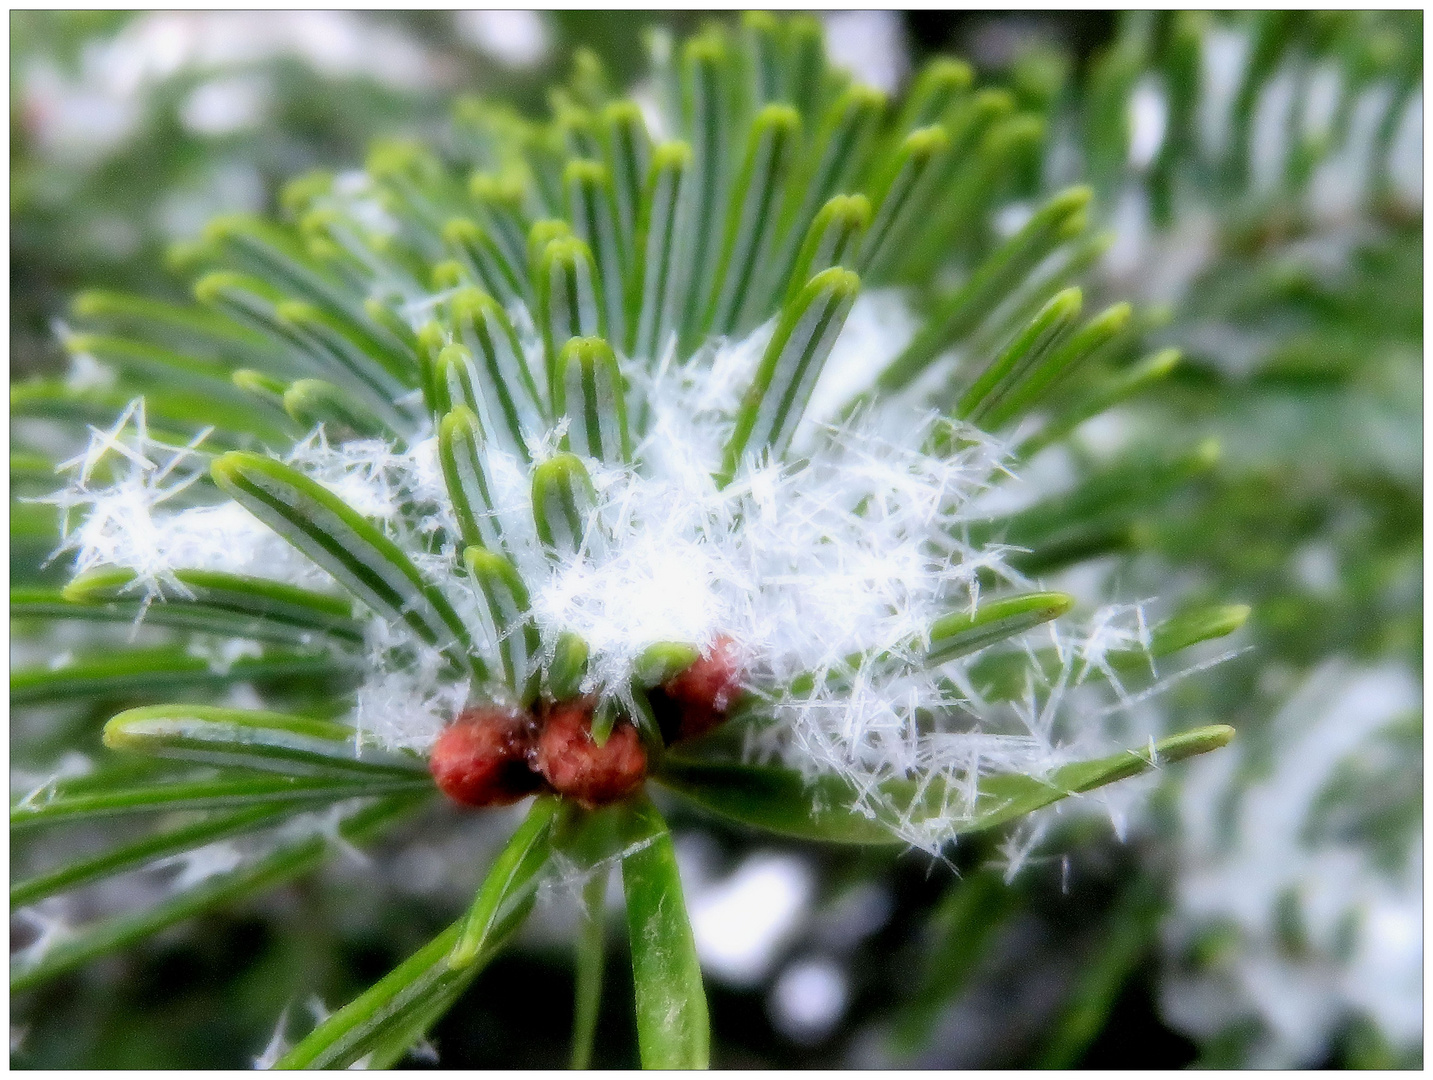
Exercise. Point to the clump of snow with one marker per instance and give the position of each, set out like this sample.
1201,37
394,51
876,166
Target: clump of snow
200,864
831,562
128,524
404,709
222,655
40,787
870,44
47,927
519,39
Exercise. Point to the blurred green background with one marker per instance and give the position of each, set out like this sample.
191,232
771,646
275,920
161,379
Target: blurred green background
1302,332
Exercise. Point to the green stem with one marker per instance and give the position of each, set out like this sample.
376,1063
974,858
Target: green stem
589,969
672,1026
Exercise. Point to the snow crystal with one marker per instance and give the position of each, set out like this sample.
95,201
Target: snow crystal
126,523
201,864
278,1044
830,564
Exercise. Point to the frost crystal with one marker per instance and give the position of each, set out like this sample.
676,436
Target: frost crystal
128,524
833,565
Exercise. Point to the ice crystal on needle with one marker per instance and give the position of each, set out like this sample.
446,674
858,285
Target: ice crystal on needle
128,522
644,451
854,550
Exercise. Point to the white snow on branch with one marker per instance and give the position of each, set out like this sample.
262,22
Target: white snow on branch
831,563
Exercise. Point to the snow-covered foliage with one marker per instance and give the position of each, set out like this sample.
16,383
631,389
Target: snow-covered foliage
851,551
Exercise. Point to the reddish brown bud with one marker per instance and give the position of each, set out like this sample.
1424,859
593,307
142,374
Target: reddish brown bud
481,758
707,690
577,767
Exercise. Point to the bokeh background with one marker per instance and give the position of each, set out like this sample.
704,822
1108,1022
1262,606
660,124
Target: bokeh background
1261,908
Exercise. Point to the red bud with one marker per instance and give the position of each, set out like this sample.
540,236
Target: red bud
707,690
481,759
577,767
